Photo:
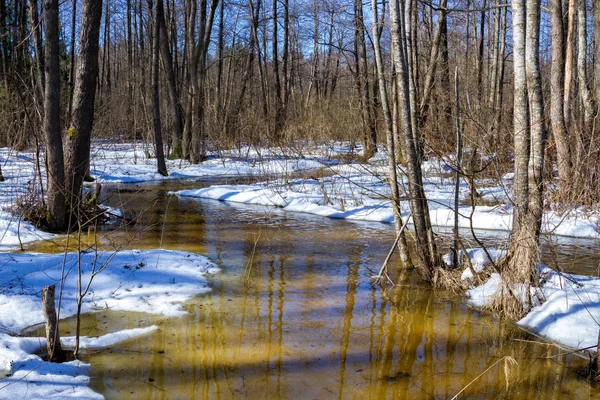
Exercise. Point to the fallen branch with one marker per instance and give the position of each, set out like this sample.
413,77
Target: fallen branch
387,259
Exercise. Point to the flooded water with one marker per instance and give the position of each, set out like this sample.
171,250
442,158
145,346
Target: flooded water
294,314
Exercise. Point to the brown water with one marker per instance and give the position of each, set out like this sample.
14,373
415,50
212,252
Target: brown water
308,323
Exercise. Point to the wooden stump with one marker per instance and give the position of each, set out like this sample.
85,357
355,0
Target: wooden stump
55,351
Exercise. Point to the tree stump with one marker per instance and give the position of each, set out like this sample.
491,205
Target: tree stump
55,351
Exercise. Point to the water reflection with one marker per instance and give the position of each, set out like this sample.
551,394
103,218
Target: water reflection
308,323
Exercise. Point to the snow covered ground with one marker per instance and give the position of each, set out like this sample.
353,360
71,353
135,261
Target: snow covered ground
158,281
360,192
155,281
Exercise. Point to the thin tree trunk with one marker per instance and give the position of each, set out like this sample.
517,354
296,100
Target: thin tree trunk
279,121
433,60
158,142
596,18
37,44
169,69
285,57
569,60
480,55
362,75
72,58
557,83
584,88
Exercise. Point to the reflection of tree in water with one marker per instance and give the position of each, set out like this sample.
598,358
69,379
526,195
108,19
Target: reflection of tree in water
309,323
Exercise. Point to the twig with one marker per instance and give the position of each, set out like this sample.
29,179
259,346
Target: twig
505,358
387,259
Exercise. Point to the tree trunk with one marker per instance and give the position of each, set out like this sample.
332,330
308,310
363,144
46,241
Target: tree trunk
72,58
529,128
392,167
158,142
279,121
409,133
167,59
569,59
582,80
433,60
57,215
362,76
37,44
557,83
596,18
55,351
78,139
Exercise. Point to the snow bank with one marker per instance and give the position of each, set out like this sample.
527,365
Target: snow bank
32,378
365,197
566,307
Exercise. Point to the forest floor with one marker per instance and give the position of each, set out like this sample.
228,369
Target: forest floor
567,308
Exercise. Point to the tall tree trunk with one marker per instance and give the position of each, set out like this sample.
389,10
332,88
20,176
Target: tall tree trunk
409,132
529,130
57,215
84,96
72,57
37,44
392,167
314,74
233,111
569,60
362,76
279,121
220,57
158,141
480,53
285,57
596,18
557,83
582,79
167,58
434,56
537,117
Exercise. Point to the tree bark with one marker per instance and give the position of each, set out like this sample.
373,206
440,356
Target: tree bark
529,130
279,121
57,215
569,60
557,84
362,76
37,44
582,78
170,72
596,14
409,132
78,139
55,351
392,167
158,141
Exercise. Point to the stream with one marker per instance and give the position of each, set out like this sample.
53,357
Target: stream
294,314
